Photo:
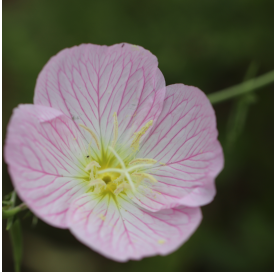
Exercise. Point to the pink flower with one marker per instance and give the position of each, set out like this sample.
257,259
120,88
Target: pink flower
110,152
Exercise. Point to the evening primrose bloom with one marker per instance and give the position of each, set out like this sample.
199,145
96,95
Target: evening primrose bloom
110,152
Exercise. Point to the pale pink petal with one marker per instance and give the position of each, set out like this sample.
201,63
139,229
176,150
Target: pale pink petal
149,108
91,82
184,142
200,195
121,230
46,157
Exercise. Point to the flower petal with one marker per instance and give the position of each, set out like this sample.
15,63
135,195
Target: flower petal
46,158
149,108
184,142
121,230
90,82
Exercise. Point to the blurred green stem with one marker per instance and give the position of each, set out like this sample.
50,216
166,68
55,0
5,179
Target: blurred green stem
11,212
16,239
243,88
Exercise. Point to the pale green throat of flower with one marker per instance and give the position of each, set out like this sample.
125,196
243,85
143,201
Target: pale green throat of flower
111,173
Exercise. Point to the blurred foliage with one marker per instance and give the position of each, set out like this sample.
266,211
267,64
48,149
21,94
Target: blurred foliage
16,241
208,44
14,228
239,110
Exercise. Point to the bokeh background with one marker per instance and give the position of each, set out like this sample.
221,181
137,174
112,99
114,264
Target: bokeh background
209,44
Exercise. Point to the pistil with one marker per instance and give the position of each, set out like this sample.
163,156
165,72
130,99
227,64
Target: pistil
124,170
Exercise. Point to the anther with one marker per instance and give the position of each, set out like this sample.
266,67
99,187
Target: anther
91,165
139,134
144,161
145,176
98,185
121,187
97,182
119,179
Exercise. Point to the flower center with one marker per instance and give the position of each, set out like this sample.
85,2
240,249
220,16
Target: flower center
107,179
121,176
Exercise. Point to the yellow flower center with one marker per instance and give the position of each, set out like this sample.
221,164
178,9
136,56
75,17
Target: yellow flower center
111,173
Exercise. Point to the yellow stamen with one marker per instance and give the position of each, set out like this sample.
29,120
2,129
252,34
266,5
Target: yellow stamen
97,182
91,165
92,134
115,129
98,187
119,179
144,161
139,134
138,179
144,175
121,187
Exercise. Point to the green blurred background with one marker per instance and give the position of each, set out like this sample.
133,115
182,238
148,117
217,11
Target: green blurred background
209,44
